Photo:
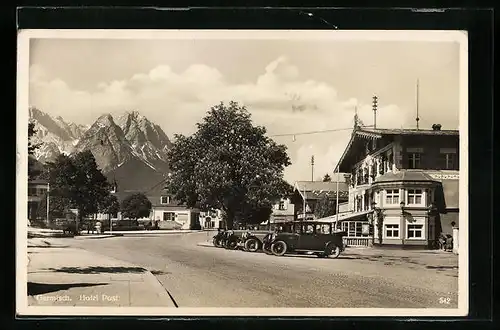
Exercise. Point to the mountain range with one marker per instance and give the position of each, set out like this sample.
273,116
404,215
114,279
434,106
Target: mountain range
129,149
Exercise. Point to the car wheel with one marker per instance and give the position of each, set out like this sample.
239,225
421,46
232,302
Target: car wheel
332,251
266,248
279,248
232,245
252,245
216,242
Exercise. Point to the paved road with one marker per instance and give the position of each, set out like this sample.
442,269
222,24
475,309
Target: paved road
198,276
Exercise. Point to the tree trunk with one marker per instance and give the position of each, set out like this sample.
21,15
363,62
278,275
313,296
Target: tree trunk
229,219
77,222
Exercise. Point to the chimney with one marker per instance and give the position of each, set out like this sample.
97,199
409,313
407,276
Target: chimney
436,127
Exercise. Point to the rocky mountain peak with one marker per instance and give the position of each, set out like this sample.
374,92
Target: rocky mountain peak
121,143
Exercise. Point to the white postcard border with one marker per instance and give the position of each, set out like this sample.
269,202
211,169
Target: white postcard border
24,37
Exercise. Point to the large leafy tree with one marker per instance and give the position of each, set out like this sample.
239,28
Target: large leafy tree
228,164
34,168
136,206
324,207
77,182
109,205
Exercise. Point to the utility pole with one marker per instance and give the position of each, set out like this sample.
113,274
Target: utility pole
374,107
337,199
304,206
312,168
417,119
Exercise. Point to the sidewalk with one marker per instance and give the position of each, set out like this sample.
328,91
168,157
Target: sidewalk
63,276
149,232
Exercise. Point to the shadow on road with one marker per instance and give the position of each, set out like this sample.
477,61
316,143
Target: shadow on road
42,288
48,246
50,235
441,267
98,270
159,272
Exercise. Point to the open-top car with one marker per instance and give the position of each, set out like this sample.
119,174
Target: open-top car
251,241
229,239
218,238
312,237
254,240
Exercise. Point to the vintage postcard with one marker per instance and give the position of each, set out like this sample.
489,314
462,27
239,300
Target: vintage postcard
241,173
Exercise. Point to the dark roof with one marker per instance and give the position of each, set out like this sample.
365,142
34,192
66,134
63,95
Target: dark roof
450,181
378,133
406,131
318,189
122,194
404,175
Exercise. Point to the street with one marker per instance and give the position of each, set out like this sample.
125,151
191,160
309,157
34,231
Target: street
203,276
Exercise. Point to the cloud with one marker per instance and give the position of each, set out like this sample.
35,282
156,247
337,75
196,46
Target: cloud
280,98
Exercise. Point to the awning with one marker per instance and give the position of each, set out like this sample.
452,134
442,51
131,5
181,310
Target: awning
343,217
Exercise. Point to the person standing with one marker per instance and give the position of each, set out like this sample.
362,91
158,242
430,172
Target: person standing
98,227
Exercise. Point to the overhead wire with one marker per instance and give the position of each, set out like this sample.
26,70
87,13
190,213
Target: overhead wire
312,132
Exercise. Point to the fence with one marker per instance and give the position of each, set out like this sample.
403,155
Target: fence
356,241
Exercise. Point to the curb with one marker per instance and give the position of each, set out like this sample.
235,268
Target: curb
96,236
151,233
160,290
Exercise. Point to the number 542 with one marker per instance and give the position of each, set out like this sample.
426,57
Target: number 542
444,300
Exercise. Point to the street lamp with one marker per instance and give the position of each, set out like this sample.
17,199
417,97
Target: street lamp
375,211
48,203
431,222
403,222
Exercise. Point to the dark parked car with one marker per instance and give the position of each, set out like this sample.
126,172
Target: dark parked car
318,238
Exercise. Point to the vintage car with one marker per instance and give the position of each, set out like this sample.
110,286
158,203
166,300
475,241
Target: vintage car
229,239
251,241
254,240
312,237
219,238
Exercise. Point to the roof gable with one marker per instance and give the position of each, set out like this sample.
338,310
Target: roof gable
363,133
319,189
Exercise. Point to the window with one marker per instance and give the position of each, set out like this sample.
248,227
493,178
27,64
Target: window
31,191
308,229
414,160
282,206
392,196
354,228
415,231
168,216
392,231
165,200
414,196
447,161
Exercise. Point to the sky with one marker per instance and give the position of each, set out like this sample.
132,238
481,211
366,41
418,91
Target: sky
289,86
